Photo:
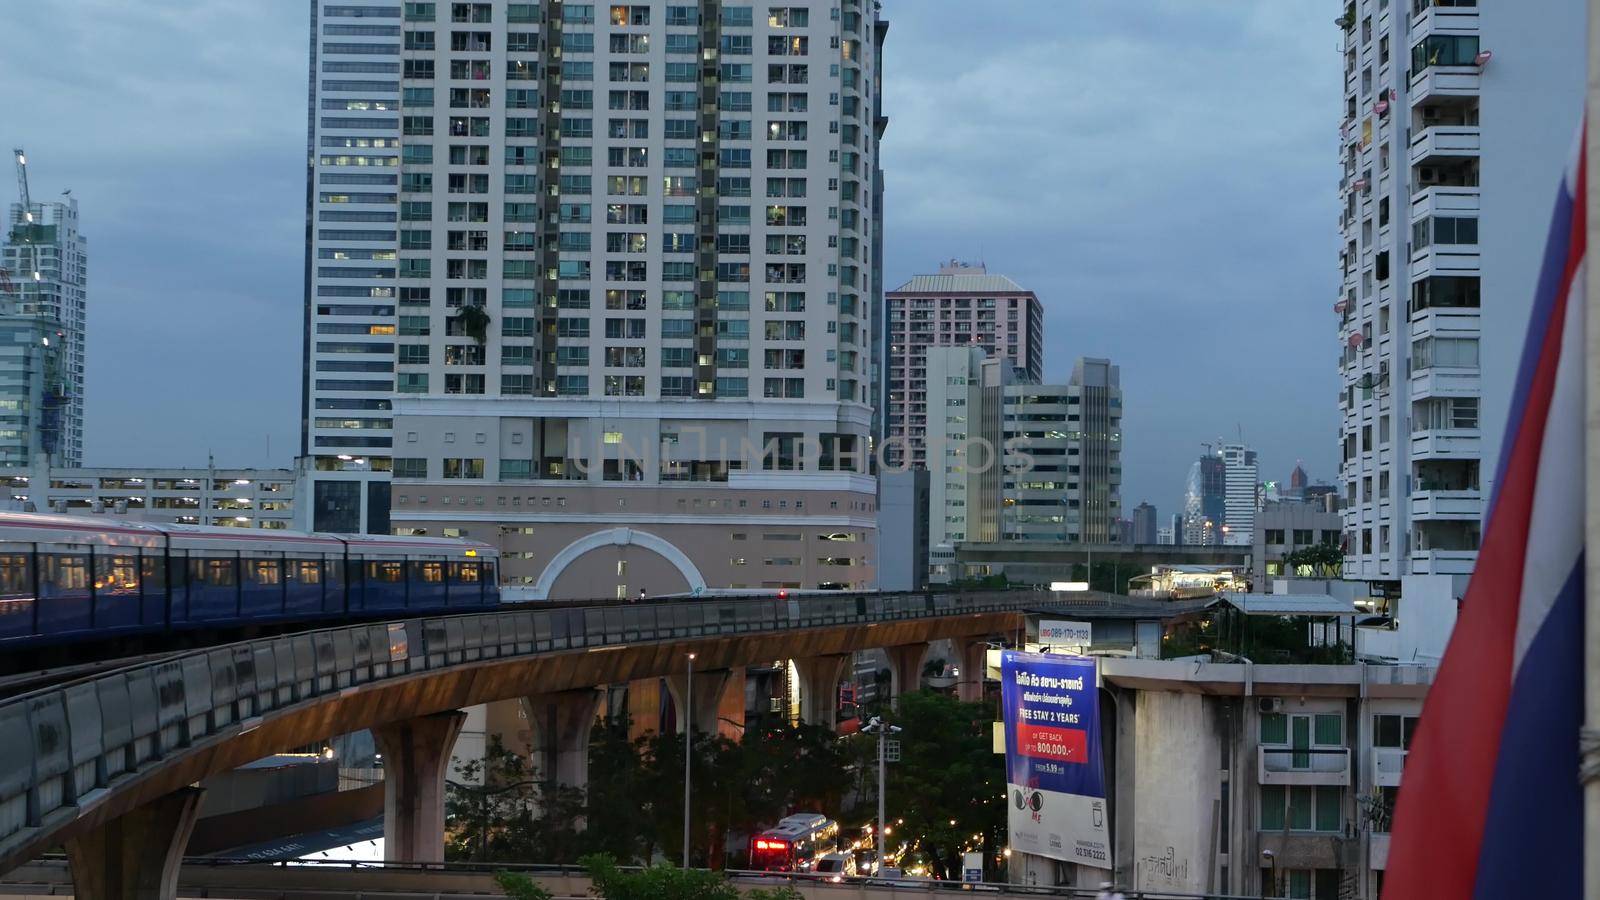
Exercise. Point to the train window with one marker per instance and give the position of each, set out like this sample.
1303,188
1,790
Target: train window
213,571
154,572
432,572
265,571
116,573
15,579
63,573
309,571
391,571
464,572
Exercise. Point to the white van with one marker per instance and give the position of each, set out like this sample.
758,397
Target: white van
835,866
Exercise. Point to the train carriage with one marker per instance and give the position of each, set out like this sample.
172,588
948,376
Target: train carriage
69,576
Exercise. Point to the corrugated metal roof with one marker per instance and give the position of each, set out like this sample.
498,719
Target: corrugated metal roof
1291,604
960,284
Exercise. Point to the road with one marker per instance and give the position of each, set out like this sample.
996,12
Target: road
343,881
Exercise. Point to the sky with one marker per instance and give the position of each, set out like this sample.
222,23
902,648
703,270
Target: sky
1162,173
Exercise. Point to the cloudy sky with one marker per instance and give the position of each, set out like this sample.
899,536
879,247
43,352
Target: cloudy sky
1161,172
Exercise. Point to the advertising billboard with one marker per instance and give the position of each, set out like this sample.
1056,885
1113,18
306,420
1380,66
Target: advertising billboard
1062,635
1054,778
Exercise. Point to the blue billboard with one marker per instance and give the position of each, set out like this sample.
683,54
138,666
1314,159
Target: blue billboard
1055,781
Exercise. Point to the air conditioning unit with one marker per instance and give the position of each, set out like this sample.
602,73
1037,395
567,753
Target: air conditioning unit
1269,704
1430,114
1427,175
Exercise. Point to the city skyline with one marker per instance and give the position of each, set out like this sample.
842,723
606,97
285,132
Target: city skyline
238,275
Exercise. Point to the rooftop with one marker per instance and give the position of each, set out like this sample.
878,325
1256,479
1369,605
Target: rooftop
1290,604
977,283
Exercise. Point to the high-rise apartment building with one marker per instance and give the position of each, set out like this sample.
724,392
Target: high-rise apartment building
578,270
1204,502
1144,525
45,259
1094,433
1037,442
353,213
963,305
1241,482
966,476
1457,126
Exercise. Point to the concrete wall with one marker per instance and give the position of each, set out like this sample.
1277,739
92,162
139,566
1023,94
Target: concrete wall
1176,758
903,530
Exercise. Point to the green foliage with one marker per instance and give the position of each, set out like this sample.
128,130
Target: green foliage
633,809
948,772
1325,559
520,887
779,893
474,321
654,882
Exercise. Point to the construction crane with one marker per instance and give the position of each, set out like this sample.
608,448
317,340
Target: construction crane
24,232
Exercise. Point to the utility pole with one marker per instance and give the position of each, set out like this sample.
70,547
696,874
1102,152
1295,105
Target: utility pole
882,729
688,752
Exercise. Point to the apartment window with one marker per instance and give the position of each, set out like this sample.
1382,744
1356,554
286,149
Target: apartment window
1445,291
463,468
1443,50
1392,731
1451,352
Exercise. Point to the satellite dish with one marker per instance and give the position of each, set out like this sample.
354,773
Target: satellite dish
1356,339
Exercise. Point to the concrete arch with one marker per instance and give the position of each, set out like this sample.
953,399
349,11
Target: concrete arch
617,537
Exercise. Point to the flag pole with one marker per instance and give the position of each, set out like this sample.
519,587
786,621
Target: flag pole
1590,739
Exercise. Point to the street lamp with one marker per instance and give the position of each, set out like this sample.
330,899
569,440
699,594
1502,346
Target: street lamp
688,746
1272,861
882,729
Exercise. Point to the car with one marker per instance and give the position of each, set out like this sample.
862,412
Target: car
835,867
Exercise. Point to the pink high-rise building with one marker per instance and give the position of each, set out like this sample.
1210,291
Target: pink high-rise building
963,305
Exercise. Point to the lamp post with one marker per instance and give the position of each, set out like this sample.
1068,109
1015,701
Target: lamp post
1272,861
882,729
688,748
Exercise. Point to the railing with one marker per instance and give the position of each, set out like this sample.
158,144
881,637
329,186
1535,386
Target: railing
374,879
1310,765
71,744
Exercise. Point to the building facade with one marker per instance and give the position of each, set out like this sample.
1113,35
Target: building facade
963,305
1240,479
903,511
632,281
44,266
1204,501
1094,496
352,293
966,471
1278,783
231,498
1144,525
1457,127
1283,527
1037,460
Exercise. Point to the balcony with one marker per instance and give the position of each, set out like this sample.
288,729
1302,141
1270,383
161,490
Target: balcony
1437,144
1445,81
1378,851
1444,20
1386,765
1446,321
1447,443
1443,562
1317,765
1444,505
1445,200
1445,381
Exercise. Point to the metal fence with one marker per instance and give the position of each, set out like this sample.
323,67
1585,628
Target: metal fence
68,745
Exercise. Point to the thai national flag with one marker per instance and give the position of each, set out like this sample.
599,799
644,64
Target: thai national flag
1490,803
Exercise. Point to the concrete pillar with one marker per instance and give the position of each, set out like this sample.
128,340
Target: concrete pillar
561,723
819,688
905,668
416,757
709,688
135,856
974,657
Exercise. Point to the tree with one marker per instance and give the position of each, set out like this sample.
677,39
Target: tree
655,882
1325,559
520,887
949,786
474,321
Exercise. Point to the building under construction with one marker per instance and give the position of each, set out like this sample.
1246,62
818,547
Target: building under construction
43,279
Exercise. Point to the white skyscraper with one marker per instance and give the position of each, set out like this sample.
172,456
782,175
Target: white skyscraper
1240,479
630,282
44,260
1456,128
